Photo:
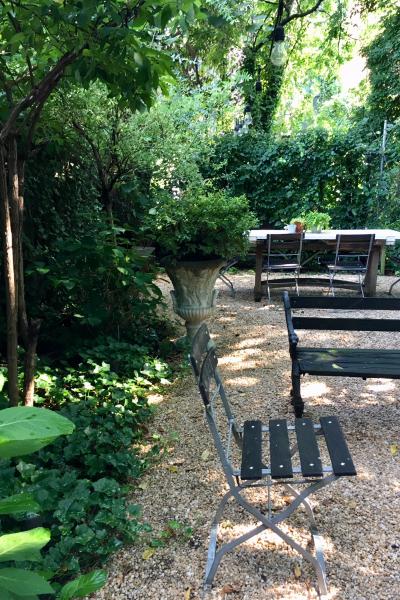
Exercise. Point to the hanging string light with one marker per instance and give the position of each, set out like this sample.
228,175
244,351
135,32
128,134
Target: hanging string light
278,54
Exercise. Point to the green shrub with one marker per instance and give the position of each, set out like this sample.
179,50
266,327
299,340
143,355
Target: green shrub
23,431
202,225
81,481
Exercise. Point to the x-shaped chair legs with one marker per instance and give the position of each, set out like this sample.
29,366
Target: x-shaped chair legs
215,555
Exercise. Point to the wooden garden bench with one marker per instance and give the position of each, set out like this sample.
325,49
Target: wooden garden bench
274,454
339,362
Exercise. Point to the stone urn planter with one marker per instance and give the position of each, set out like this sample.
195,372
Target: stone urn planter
194,296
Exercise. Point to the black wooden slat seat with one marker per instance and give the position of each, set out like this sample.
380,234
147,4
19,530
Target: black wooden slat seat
311,465
281,463
252,451
342,462
280,466
349,362
270,455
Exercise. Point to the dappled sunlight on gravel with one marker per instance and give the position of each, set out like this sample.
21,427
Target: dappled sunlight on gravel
358,517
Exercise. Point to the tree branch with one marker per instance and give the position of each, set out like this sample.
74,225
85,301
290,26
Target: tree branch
301,15
41,92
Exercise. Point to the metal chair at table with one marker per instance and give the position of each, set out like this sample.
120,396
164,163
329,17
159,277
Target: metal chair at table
352,255
305,471
396,261
283,255
224,277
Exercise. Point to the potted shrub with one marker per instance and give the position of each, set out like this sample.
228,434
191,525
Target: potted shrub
195,234
317,221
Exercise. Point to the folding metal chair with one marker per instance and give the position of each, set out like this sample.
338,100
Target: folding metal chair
297,463
396,261
283,254
224,277
352,256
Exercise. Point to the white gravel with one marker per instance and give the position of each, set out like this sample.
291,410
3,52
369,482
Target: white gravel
358,517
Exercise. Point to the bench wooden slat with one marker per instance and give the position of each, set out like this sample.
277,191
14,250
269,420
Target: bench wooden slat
329,302
349,362
339,453
346,324
310,459
281,462
252,450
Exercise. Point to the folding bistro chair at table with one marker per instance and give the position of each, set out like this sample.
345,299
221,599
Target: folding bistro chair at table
352,255
224,277
283,255
294,460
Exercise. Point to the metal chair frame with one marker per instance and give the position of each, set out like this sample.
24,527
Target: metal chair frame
397,262
280,248
224,277
207,377
360,268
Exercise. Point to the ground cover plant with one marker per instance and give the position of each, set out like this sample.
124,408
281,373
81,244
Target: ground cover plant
82,482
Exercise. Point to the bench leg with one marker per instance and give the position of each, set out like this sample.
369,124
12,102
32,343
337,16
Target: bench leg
297,400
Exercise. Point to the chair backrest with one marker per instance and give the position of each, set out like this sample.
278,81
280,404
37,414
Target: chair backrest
200,345
286,247
207,377
349,246
211,387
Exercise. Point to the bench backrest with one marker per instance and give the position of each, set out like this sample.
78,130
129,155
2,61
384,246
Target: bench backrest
341,323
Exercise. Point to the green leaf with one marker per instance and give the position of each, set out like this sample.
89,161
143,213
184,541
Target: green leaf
83,585
2,381
26,429
24,583
24,545
4,595
18,503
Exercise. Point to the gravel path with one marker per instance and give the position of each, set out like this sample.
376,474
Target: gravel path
358,517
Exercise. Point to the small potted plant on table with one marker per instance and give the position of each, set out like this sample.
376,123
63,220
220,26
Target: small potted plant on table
195,234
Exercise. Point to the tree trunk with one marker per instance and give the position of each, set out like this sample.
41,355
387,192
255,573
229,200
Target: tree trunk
10,284
29,330
30,361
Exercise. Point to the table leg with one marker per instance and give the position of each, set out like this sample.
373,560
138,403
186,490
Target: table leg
372,273
383,261
257,283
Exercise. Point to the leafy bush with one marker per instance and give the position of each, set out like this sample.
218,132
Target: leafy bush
314,170
202,225
82,481
23,431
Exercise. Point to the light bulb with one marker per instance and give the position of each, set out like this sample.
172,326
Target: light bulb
278,54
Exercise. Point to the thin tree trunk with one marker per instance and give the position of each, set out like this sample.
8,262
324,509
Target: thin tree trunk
29,330
22,313
11,292
30,361
12,168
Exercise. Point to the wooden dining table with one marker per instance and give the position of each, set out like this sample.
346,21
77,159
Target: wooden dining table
318,243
